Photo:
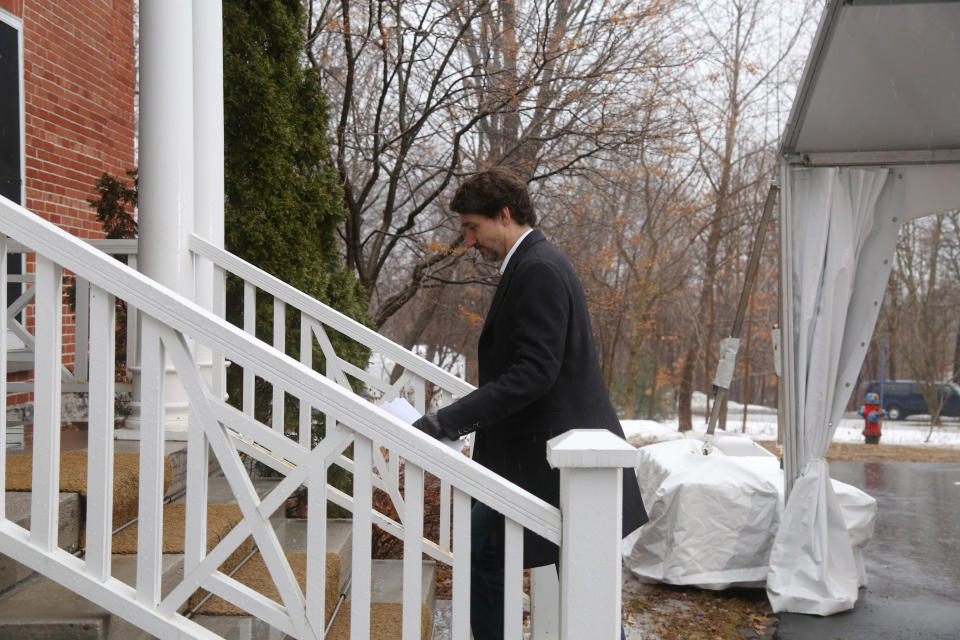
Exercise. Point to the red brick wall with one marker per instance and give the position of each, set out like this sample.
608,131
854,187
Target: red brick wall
78,77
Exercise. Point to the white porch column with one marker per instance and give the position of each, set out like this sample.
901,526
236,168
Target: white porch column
166,199
208,136
208,165
591,465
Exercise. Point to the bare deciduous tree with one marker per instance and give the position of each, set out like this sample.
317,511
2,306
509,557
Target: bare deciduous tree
926,302
425,90
731,88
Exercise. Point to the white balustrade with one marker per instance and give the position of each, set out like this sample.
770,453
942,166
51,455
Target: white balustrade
384,450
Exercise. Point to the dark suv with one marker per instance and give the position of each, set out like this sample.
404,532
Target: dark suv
902,398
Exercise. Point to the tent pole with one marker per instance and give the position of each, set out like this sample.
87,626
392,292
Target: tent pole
726,366
787,394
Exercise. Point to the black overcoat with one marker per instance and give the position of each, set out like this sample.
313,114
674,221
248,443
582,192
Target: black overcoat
539,376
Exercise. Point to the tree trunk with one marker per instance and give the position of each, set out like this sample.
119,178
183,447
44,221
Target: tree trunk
685,392
654,386
746,365
956,357
633,366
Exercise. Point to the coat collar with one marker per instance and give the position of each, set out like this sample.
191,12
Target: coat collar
534,237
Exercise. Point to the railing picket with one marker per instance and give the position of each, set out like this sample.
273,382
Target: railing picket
218,376
362,522
3,373
198,469
279,343
461,565
512,580
419,394
250,326
81,314
444,540
317,546
412,549
133,329
150,515
45,501
306,358
100,433
544,603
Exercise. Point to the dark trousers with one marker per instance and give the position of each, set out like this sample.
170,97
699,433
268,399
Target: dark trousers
486,574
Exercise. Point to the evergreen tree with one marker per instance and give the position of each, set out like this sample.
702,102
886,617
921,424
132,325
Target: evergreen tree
283,199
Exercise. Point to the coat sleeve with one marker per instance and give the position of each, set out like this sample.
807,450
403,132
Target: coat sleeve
537,309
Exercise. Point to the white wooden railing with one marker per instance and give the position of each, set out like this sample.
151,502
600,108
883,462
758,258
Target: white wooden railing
173,330
421,382
73,379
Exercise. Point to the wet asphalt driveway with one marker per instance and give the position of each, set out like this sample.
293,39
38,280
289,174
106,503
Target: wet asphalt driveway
912,563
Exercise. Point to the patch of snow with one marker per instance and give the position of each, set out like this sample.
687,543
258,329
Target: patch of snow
761,424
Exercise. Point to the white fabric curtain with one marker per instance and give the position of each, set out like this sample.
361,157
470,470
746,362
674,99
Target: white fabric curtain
841,251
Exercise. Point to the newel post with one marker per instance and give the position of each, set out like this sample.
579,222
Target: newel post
591,465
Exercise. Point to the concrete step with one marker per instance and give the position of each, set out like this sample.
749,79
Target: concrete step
18,511
386,597
292,534
41,609
386,619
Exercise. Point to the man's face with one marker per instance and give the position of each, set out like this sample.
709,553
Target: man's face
488,235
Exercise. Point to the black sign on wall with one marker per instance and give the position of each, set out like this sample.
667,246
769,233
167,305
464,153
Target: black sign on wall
10,169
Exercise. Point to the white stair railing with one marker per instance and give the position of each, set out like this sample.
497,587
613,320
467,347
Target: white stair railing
174,329
73,379
425,384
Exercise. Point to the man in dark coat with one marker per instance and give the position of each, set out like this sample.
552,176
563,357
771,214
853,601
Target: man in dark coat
539,377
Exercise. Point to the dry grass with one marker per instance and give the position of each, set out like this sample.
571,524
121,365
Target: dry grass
687,613
859,452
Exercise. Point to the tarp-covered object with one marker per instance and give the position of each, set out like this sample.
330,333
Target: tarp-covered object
713,517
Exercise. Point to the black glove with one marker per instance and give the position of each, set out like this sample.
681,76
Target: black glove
430,425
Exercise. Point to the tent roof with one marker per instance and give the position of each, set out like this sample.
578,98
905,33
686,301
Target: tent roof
881,86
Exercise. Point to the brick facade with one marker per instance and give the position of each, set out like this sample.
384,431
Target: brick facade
79,82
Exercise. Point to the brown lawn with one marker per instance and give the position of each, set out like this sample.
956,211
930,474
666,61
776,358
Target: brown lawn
859,452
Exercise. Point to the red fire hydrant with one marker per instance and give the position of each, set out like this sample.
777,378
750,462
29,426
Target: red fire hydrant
872,414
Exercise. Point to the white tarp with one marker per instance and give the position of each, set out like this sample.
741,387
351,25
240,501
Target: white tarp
713,517
836,239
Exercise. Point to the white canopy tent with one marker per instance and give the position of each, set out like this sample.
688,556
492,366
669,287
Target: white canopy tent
873,140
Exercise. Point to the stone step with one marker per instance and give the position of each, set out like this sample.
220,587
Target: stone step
41,609
386,597
18,511
386,618
70,520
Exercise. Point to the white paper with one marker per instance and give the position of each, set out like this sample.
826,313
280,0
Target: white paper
400,408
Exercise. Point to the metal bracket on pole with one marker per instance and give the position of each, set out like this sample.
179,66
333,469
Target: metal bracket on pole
727,363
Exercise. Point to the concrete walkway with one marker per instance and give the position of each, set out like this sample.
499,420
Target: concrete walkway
912,563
